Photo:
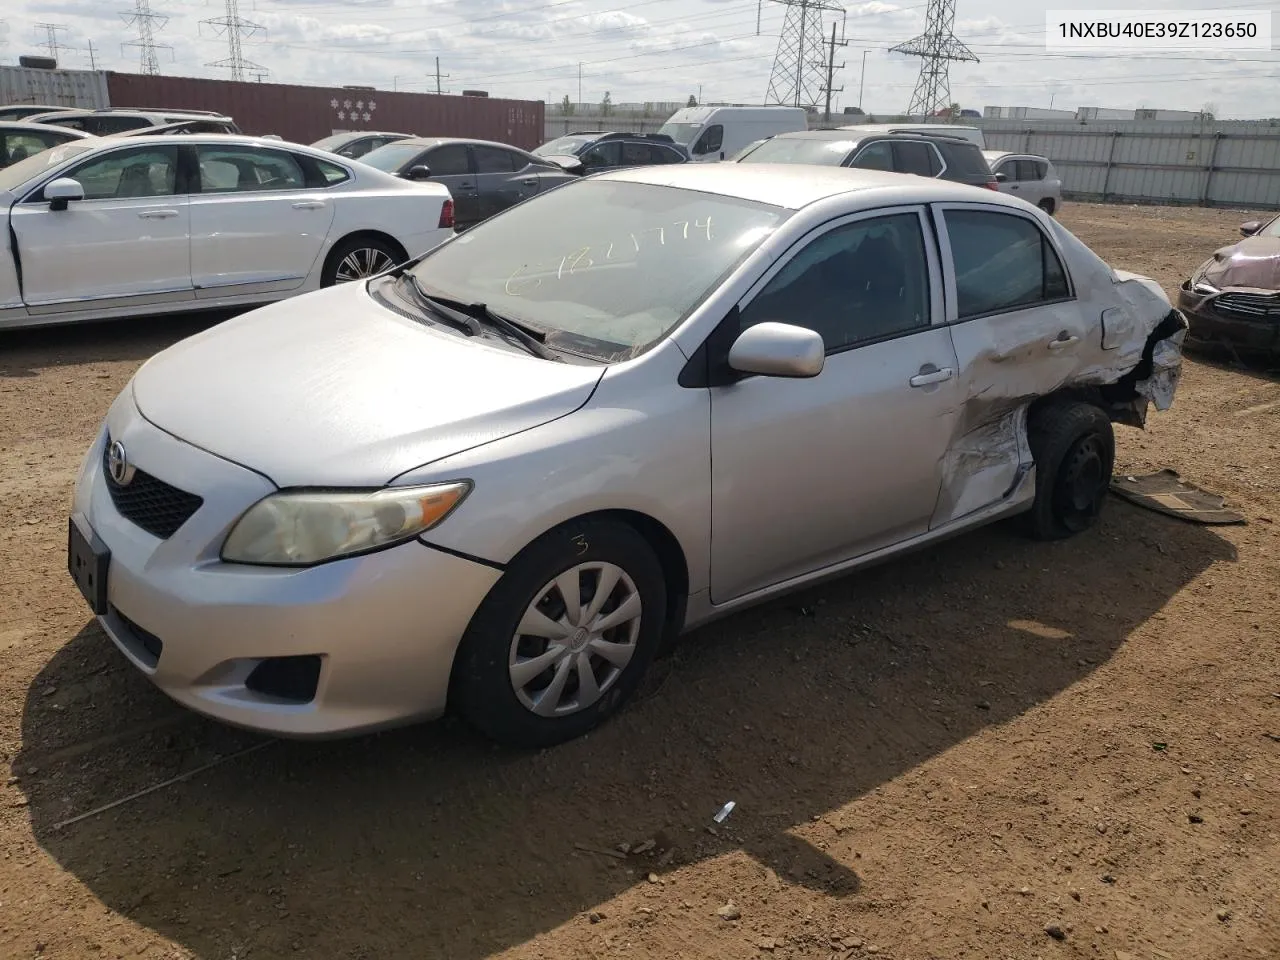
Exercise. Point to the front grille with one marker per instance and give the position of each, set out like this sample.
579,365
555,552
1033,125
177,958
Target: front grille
157,507
1249,306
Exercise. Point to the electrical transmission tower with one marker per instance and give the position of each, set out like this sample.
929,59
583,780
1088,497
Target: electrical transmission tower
799,75
147,23
51,37
237,29
937,47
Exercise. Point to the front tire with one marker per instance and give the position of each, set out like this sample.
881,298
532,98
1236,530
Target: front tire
1074,449
358,258
564,638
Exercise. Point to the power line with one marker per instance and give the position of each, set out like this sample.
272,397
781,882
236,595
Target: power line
236,30
50,41
147,23
936,47
796,77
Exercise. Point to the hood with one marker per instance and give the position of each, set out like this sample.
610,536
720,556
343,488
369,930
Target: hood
1253,262
330,389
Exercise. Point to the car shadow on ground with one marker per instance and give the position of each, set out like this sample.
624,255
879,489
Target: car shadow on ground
26,351
431,837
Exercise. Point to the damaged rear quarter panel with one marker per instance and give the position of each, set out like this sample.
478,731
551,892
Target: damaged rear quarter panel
1006,364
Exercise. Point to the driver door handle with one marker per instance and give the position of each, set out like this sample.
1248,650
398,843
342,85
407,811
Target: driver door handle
308,205
157,214
927,377
530,181
1063,342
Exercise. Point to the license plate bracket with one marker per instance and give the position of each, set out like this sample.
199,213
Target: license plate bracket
88,560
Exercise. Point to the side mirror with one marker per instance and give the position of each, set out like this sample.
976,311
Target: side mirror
1002,177
778,350
1250,227
61,191
419,171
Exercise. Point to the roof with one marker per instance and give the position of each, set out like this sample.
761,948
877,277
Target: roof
433,141
840,134
993,155
20,126
795,185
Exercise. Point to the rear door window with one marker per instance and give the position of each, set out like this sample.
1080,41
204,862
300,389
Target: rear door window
917,158
495,160
1002,262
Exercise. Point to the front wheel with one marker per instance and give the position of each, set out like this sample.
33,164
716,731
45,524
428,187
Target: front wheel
1074,449
564,638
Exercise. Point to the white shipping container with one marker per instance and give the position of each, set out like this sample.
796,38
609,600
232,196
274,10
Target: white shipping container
57,88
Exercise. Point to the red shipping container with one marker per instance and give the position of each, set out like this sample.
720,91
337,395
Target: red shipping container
305,114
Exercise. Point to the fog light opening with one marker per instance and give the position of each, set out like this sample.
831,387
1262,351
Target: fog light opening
291,679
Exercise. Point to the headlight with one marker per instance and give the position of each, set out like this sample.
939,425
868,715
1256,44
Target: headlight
301,529
1204,288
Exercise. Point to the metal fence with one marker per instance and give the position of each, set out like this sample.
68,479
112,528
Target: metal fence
1215,164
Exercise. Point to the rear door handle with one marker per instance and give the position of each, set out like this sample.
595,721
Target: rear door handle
157,214
927,377
1063,342
466,186
308,205
530,181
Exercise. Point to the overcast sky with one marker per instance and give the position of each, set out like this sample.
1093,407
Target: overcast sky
651,50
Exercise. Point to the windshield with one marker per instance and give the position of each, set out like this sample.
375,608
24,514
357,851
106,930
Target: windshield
606,267
15,175
681,132
393,156
801,150
565,146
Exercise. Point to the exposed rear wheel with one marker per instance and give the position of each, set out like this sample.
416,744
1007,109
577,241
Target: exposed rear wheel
359,258
1074,448
563,639
1048,206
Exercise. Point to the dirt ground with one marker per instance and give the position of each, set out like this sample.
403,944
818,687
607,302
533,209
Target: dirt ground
994,749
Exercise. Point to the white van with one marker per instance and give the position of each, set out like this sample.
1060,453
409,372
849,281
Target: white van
716,133
941,129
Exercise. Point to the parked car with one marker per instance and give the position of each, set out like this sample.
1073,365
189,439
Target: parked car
111,120
485,479
21,140
1233,298
107,227
946,158
714,133
1024,175
973,134
355,144
21,111
483,177
609,151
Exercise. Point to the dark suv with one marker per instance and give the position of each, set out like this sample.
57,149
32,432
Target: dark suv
926,155
597,150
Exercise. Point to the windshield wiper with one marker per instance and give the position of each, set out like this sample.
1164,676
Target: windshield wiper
455,318
530,337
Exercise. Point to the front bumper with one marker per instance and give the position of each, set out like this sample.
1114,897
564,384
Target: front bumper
381,628
1208,326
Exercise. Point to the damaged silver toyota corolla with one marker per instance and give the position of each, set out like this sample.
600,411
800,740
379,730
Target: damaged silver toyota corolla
498,478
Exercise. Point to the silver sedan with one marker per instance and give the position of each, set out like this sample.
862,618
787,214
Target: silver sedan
497,479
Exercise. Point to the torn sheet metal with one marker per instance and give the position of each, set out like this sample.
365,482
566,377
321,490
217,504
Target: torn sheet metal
1118,344
1165,492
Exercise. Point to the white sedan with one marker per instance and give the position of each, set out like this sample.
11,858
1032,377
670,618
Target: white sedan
107,227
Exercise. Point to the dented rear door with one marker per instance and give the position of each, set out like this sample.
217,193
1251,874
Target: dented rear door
1019,331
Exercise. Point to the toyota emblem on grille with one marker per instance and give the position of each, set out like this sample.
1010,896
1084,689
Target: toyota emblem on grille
118,464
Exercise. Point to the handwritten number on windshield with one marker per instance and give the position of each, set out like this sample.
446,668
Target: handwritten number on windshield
519,283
